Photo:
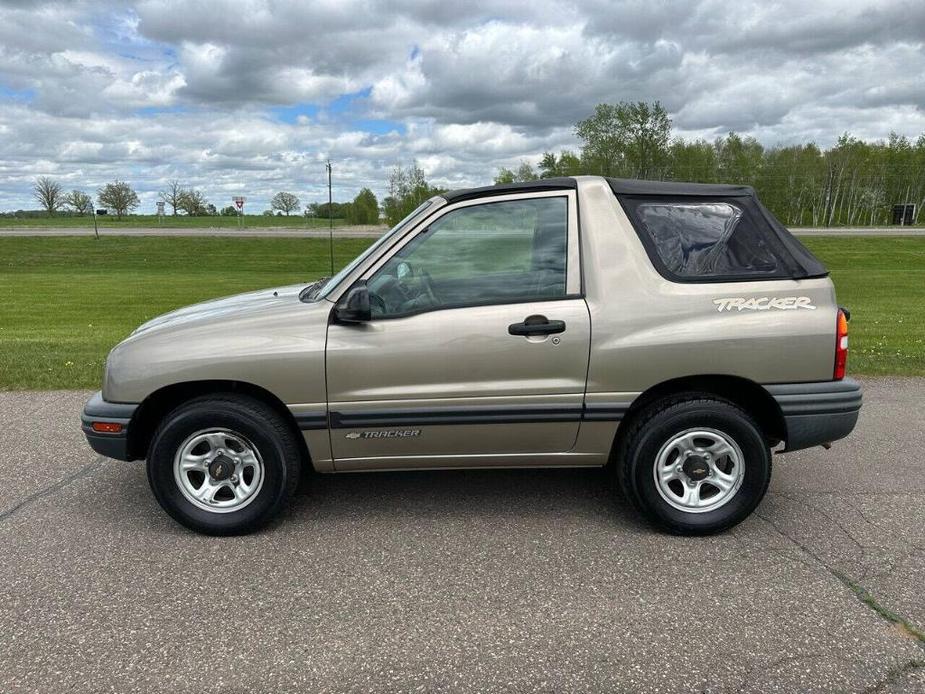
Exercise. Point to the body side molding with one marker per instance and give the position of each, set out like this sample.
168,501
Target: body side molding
478,415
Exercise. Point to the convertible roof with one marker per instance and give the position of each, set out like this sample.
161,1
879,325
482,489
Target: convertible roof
620,186
627,186
809,265
505,188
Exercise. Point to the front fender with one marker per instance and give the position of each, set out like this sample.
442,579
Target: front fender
280,350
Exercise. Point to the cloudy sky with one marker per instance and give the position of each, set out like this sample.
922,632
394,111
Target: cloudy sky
250,97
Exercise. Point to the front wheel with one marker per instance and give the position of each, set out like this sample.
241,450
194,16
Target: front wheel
223,465
695,465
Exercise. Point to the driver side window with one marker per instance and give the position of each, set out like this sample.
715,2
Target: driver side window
493,253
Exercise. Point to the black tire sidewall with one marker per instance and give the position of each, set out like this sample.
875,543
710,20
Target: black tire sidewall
201,416
733,423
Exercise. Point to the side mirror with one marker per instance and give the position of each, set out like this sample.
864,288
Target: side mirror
354,306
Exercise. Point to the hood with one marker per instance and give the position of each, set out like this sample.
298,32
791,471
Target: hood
266,338
227,308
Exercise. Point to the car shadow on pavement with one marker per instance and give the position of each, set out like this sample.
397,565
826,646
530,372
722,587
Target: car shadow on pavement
524,493
528,495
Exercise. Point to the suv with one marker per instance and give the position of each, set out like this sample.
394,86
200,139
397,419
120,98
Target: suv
674,332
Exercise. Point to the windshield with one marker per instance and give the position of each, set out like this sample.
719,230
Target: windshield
323,291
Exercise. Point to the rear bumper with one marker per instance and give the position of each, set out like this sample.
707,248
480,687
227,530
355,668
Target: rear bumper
98,410
818,413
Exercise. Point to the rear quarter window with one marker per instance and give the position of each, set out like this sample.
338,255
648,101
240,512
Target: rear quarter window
696,239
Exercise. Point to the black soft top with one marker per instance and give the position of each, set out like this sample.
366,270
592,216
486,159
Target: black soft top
801,263
505,188
628,186
762,227
620,186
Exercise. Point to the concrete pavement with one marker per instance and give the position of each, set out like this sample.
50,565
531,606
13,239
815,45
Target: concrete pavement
464,581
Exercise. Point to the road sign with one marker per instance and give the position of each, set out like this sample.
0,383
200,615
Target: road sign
239,202
160,208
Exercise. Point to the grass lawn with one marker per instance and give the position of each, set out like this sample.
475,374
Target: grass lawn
250,221
64,302
882,282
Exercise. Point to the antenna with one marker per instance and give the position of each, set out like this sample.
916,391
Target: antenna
330,217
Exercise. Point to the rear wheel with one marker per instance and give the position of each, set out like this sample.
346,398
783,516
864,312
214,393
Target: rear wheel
694,465
223,465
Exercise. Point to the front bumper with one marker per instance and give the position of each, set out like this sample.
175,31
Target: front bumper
112,445
818,413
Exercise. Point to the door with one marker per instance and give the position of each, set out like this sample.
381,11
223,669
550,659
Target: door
477,351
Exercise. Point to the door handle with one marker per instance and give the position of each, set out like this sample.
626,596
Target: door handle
537,325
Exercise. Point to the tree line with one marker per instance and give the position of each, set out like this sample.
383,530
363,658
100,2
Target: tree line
117,196
122,199
852,182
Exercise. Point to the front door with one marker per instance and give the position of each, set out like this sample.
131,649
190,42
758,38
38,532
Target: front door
477,352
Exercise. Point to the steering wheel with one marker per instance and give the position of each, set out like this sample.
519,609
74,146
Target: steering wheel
428,283
377,301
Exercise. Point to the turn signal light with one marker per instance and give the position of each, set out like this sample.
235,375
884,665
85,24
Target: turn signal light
841,346
107,427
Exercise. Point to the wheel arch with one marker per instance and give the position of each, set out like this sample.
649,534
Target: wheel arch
747,394
158,404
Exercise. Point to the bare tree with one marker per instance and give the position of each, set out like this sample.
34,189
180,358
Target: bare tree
118,196
193,202
173,196
78,201
48,193
285,202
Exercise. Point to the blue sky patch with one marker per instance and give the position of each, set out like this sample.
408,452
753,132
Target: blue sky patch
378,126
290,114
21,95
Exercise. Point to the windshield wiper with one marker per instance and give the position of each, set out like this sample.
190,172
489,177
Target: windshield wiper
311,291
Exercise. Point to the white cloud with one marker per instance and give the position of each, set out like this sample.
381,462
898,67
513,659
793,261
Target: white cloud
156,89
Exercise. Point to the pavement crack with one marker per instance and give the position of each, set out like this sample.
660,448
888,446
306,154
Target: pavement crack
864,596
893,675
82,472
834,521
752,674
861,513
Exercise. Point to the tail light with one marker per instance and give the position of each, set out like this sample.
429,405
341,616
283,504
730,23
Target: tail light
841,345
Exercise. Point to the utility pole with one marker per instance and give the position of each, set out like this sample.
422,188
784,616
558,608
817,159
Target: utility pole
330,217
96,229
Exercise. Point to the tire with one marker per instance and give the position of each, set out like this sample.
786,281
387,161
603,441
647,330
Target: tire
254,470
663,468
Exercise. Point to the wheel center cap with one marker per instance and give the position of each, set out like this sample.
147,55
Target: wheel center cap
221,468
696,468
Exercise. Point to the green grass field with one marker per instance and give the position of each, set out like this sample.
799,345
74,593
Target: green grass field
181,221
64,302
882,282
